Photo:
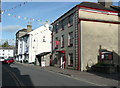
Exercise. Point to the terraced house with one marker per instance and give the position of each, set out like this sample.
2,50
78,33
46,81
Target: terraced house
81,34
34,47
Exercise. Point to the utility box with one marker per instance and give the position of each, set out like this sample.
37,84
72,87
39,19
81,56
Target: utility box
106,56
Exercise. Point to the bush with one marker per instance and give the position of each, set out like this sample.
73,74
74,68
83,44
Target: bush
103,64
104,68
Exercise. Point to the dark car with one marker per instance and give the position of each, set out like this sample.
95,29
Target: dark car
9,60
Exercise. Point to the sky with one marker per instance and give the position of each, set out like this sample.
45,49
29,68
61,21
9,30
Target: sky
42,11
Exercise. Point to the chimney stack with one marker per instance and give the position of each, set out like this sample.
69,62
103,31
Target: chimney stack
106,3
29,28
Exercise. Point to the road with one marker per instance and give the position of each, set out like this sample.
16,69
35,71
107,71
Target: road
23,75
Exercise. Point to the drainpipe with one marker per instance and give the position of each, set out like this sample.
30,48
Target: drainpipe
79,43
52,48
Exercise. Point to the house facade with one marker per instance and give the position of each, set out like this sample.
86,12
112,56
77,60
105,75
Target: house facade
40,45
18,35
35,46
20,41
80,34
6,52
23,48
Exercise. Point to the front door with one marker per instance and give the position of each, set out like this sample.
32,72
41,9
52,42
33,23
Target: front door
62,60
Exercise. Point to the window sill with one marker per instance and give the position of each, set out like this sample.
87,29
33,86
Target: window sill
71,45
70,25
70,65
56,47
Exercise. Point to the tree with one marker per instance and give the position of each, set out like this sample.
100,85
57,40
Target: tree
5,44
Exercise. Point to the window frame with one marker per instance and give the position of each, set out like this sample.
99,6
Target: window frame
63,24
70,39
62,41
70,21
56,27
56,46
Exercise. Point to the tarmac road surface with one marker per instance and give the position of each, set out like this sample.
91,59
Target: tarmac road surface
23,75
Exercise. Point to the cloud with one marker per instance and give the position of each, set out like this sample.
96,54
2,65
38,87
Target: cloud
10,28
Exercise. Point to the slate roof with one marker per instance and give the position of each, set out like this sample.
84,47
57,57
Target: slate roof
99,6
25,30
116,7
93,5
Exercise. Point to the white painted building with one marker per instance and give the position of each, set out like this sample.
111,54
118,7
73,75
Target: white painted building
23,45
39,42
6,52
33,43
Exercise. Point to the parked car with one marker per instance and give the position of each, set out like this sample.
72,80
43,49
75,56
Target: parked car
9,60
2,59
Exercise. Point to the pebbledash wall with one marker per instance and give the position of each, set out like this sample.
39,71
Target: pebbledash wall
91,28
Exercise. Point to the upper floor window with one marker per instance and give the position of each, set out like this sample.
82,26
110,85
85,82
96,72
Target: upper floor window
70,39
55,28
3,50
56,42
63,24
62,41
44,39
70,20
60,25
20,45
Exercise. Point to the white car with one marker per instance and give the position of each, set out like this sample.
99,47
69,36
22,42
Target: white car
2,59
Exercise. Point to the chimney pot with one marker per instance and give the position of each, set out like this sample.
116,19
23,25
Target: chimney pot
29,28
106,3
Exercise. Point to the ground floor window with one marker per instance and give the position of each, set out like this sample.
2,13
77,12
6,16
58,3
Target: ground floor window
70,59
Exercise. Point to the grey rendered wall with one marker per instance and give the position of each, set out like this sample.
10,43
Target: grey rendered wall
95,34
65,33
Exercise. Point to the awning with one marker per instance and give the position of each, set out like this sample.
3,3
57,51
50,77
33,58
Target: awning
43,54
62,51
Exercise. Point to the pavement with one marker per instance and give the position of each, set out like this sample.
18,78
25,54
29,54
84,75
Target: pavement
98,79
